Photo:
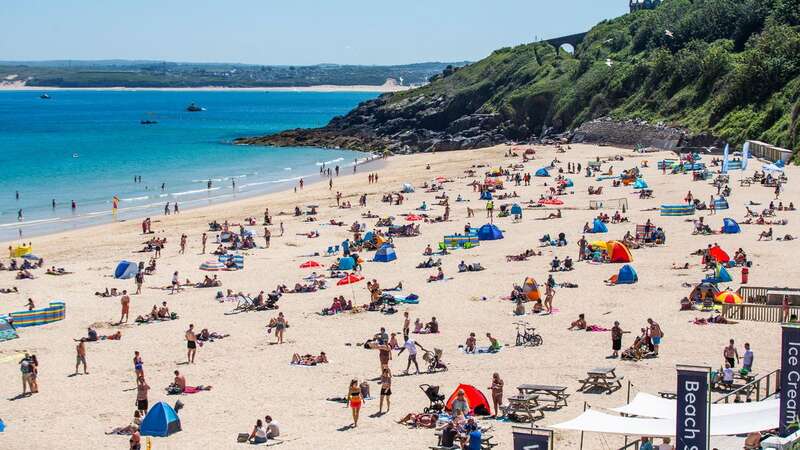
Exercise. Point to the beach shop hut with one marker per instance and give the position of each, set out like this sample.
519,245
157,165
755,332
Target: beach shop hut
531,289
126,270
626,275
407,188
680,209
478,405
161,421
7,332
489,232
599,227
542,172
640,184
618,252
729,226
385,254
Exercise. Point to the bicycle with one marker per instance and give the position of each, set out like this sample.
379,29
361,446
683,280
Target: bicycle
528,335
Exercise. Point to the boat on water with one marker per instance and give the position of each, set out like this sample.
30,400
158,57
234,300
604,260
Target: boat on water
44,96
75,155
148,122
194,108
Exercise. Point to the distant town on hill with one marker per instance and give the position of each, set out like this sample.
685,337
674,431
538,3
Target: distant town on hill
155,74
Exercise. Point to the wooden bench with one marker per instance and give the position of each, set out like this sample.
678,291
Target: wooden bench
525,406
551,394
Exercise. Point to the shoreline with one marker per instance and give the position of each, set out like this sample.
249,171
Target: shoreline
374,163
323,88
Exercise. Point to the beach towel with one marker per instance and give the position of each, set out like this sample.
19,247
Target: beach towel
410,299
237,259
596,329
481,350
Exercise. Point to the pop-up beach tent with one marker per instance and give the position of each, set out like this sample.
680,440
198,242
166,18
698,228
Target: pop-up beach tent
719,254
346,263
407,188
542,172
385,254
729,226
7,332
627,275
618,252
599,227
478,405
721,275
531,289
161,420
640,184
126,270
489,232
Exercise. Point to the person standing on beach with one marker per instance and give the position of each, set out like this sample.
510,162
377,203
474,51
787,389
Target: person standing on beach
166,209
582,248
280,327
19,215
183,244
655,334
497,392
330,184
490,211
204,239
74,206
80,357
138,365
337,171
141,395
175,283
549,293
354,400
616,339
191,344
730,354
747,358
406,324
139,281
301,183
267,236
386,390
125,302
175,208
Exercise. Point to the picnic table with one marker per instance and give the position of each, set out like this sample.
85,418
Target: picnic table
525,406
603,378
552,394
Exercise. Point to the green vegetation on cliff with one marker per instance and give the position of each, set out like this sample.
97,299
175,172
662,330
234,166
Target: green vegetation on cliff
731,67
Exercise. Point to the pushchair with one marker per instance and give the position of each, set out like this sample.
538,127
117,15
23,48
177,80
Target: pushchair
434,360
436,399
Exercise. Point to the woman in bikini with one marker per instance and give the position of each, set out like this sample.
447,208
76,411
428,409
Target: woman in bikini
280,326
354,397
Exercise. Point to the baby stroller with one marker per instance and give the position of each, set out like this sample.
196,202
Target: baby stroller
434,360
436,399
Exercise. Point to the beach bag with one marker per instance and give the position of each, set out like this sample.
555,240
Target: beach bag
242,437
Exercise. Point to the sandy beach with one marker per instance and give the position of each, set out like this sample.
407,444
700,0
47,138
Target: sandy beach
388,86
251,377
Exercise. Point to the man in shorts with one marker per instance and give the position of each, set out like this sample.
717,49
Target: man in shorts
125,302
191,344
80,357
411,346
141,395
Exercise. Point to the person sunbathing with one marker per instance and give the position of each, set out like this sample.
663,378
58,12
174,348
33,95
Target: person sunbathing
767,235
131,428
57,271
438,277
428,250
24,274
178,386
309,360
425,420
12,290
210,336
786,237
163,311
418,326
579,324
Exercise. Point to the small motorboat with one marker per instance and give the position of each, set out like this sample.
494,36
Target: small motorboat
194,108
44,96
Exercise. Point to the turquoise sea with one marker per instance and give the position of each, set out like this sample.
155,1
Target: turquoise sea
88,146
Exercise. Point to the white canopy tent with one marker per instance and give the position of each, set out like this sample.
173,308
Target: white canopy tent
649,405
726,420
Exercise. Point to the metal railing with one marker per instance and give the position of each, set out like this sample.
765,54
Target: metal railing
758,294
762,388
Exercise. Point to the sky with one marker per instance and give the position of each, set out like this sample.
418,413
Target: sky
292,32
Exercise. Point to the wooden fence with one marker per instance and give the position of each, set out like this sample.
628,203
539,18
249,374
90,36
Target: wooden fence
759,313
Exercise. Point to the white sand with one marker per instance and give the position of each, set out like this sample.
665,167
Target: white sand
252,378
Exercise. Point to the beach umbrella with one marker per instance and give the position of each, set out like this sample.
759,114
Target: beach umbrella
413,217
729,298
350,279
31,257
212,266
309,264
441,179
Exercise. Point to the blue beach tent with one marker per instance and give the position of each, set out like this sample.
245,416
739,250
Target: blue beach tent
640,184
486,195
599,227
2,426
385,254
729,226
542,172
568,183
346,263
489,232
721,275
125,270
516,210
161,420
627,275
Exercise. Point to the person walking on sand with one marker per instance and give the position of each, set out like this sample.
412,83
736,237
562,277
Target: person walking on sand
191,344
301,183
549,293
267,236
138,365
204,239
386,390
616,339
125,302
183,245
176,284
80,357
280,327
139,280
497,392
411,346
354,399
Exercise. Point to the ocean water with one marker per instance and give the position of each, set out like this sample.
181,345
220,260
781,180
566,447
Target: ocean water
88,146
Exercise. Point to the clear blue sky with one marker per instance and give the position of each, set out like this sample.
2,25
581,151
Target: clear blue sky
287,31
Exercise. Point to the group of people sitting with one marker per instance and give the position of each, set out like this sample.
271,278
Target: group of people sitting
209,282
339,304
524,255
474,267
556,265
157,314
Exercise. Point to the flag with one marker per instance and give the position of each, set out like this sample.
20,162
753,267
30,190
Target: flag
745,155
725,159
